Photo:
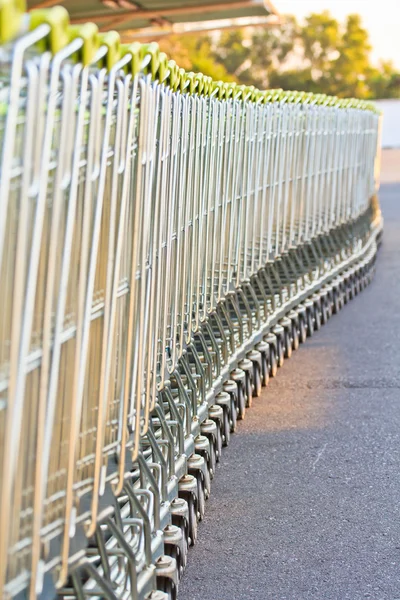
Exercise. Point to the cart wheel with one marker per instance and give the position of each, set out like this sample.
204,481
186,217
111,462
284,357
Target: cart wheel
212,459
226,429
295,336
336,303
192,520
273,363
201,498
241,402
280,350
346,292
233,420
362,280
324,312
185,544
342,296
317,318
310,323
179,522
256,380
249,389
365,278
356,284
207,482
350,289
264,369
329,309
174,552
168,587
288,344
218,443
302,330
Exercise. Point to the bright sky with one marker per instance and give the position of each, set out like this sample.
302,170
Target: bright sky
380,17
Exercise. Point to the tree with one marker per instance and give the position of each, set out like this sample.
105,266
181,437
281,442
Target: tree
194,53
352,68
232,52
384,82
320,38
296,79
336,61
272,49
321,56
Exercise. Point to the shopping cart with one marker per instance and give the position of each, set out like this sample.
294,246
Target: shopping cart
166,241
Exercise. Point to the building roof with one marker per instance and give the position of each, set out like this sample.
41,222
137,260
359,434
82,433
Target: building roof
131,17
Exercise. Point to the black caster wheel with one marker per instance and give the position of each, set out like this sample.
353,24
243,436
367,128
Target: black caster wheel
341,299
359,280
174,552
264,369
216,414
324,312
353,287
249,389
168,587
180,553
256,380
226,429
335,302
345,297
203,448
288,343
356,285
295,336
273,362
192,519
349,289
212,459
241,401
317,318
280,344
329,311
329,304
362,280
207,481
210,430
233,420
302,330
184,527
310,323
218,444
185,544
201,499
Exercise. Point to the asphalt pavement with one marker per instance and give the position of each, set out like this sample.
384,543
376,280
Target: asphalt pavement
306,501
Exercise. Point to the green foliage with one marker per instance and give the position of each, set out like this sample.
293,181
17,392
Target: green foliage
320,37
321,55
352,68
232,52
271,48
195,53
385,81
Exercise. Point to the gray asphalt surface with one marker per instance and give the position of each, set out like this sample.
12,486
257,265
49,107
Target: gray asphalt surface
306,502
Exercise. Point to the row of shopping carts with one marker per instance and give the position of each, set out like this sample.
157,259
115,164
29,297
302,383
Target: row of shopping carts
165,242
